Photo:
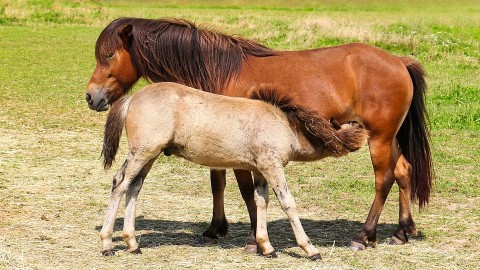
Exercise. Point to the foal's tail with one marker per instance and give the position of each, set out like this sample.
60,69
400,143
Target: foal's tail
335,138
413,136
113,130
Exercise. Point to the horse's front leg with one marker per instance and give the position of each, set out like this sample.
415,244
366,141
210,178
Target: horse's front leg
276,178
219,224
130,209
245,184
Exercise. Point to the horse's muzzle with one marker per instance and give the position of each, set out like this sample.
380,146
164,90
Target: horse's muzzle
99,104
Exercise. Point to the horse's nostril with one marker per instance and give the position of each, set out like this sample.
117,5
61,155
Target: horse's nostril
88,97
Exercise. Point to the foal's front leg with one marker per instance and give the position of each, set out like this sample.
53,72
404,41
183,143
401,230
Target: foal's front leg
261,201
276,178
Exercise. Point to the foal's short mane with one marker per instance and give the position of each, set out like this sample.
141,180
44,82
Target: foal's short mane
179,51
319,131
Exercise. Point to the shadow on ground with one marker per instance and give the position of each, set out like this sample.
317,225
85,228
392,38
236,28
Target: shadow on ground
321,232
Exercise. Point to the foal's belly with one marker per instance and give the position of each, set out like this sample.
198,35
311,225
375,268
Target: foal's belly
217,160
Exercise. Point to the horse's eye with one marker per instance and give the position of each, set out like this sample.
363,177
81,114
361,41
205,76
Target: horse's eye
109,75
110,55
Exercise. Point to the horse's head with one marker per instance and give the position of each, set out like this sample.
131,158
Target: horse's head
114,73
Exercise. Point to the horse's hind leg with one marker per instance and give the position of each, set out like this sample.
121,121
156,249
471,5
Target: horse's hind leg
121,181
130,208
383,165
403,172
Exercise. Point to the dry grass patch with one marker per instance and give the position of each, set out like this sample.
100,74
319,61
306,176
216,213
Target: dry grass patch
54,203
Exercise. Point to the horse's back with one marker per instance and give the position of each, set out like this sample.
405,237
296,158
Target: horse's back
352,82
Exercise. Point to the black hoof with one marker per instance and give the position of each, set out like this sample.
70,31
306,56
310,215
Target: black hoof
108,252
271,255
357,246
136,251
316,257
250,248
396,241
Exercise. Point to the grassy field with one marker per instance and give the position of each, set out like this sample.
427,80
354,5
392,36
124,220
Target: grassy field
53,191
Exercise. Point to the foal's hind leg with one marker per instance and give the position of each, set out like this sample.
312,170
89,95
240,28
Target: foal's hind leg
130,208
383,165
121,182
403,172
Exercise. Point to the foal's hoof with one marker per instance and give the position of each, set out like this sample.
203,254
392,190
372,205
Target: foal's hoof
316,257
250,248
271,255
357,246
136,251
108,252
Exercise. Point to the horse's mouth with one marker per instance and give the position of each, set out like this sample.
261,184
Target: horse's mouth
102,106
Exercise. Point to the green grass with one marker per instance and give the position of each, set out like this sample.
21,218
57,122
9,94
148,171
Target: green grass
53,191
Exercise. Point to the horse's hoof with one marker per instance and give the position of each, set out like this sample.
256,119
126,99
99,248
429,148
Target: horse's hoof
396,241
272,254
136,251
357,246
250,248
316,257
108,252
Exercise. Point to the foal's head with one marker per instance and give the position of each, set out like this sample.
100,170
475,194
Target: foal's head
114,73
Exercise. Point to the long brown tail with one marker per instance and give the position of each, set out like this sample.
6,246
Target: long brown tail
113,130
320,132
413,136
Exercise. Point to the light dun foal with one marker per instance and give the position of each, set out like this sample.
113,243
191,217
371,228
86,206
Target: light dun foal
219,132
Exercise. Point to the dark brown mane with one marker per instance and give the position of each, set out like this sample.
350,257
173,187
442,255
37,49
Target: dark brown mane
179,51
319,131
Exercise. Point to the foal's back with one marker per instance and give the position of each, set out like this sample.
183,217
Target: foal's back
212,130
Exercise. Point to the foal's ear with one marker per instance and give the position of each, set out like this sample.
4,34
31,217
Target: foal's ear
125,33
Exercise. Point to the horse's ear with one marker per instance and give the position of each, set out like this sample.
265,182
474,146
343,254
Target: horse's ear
126,35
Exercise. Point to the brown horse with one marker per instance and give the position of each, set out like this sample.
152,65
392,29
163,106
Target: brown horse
352,82
248,134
